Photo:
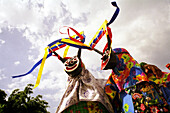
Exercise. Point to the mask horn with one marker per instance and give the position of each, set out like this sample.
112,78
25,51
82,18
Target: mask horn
109,42
59,57
109,36
98,51
79,53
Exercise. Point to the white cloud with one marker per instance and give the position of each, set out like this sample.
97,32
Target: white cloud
52,8
53,80
21,82
56,96
17,62
2,75
30,57
2,42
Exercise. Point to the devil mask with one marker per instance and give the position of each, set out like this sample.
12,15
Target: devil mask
73,65
108,59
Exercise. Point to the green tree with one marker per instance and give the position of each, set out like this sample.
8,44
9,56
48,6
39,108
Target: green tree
2,100
22,102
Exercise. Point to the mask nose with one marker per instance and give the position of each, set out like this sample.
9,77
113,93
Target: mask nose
69,61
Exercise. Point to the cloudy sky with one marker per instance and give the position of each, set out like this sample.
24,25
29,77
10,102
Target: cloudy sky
28,26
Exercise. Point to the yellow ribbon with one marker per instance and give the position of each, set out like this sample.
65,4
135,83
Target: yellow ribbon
45,56
73,42
102,26
41,68
66,49
65,52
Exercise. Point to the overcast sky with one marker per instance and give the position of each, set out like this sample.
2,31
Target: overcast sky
28,26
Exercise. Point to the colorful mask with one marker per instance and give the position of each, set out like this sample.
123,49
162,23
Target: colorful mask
73,66
108,60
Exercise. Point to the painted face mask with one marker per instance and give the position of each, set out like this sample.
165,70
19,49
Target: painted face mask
108,60
73,66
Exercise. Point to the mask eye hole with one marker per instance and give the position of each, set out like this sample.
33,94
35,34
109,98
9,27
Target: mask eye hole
107,52
75,59
71,62
66,63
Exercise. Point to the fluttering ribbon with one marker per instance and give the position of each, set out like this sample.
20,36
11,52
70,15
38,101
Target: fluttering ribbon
115,13
41,68
109,39
32,69
104,28
75,37
66,51
77,42
79,36
99,34
40,61
55,45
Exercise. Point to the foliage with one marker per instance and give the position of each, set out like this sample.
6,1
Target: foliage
22,102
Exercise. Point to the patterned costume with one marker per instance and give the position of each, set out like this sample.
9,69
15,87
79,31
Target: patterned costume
137,91
84,90
84,93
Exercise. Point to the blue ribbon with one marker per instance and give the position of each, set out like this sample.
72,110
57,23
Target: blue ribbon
38,63
115,14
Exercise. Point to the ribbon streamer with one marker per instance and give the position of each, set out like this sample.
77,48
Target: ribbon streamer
55,45
109,38
99,34
77,36
115,14
102,30
38,63
41,68
76,44
66,51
